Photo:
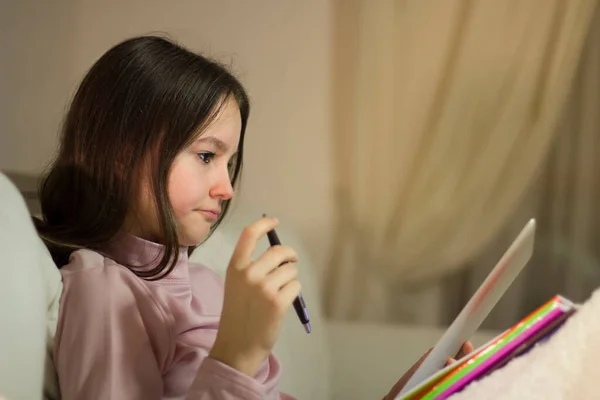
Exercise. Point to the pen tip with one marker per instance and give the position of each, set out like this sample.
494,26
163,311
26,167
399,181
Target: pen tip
307,327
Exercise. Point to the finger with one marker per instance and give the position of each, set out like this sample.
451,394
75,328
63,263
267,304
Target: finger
288,294
281,276
273,258
466,348
249,238
450,361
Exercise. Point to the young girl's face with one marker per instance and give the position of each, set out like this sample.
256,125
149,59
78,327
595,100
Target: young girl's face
198,182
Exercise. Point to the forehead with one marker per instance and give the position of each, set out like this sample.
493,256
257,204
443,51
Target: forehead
224,130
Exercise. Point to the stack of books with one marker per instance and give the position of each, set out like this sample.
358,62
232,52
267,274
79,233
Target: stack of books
514,342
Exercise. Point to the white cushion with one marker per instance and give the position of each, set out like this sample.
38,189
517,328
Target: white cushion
304,357
563,367
29,292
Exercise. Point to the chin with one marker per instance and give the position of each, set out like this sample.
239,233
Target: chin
193,238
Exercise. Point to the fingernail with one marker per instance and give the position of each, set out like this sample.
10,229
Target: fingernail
273,218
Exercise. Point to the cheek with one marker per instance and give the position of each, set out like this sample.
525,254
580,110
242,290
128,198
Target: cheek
185,187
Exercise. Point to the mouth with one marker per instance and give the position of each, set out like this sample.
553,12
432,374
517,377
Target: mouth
211,215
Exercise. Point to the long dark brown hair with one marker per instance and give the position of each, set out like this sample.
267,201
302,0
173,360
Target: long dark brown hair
145,96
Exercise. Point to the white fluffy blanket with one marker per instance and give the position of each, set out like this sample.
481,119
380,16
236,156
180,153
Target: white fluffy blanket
567,366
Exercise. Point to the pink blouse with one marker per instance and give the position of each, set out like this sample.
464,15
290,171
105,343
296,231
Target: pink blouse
123,337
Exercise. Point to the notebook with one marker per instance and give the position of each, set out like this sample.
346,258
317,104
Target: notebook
477,365
535,328
477,309
539,337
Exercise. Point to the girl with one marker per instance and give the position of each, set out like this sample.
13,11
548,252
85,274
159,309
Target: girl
151,149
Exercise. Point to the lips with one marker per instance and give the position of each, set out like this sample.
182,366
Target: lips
211,214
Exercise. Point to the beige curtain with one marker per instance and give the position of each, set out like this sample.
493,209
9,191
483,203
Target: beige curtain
445,111
565,201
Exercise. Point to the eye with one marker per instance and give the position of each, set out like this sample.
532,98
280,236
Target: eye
206,157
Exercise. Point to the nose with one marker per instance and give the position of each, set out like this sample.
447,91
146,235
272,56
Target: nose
222,188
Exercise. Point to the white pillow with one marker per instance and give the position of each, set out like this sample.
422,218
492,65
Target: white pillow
30,289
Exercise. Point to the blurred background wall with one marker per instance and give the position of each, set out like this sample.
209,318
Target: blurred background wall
406,141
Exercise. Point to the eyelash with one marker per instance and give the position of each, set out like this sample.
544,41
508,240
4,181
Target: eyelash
207,157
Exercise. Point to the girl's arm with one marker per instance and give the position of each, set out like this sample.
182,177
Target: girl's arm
112,341
216,380
257,295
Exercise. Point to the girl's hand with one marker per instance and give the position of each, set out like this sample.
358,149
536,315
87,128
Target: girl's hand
466,349
257,295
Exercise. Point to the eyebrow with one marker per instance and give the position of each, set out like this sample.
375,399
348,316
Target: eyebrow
219,144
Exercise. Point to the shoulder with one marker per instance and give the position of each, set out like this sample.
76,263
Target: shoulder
93,280
107,311
87,266
87,260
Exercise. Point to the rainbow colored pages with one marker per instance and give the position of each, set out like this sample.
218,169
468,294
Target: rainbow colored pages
535,328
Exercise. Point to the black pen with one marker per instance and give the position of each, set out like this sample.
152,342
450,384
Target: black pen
299,304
